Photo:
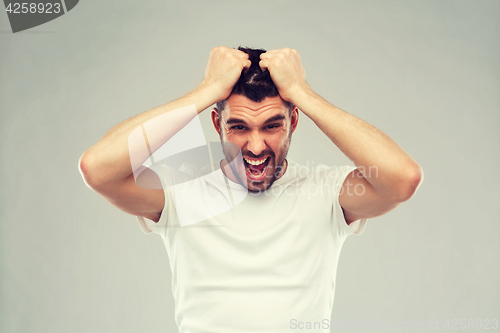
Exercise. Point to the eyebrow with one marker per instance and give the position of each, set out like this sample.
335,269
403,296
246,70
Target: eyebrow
278,117
241,121
235,121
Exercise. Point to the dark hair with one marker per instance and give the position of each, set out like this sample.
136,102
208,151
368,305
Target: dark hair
254,83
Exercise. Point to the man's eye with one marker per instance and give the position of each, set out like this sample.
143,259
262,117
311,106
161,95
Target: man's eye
273,127
238,128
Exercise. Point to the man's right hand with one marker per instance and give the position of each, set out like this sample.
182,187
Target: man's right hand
224,69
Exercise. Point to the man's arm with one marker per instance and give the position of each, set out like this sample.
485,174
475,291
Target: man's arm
387,175
106,167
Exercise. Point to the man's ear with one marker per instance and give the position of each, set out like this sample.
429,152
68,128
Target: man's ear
216,119
295,118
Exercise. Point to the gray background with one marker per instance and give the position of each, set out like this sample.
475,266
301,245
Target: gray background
427,73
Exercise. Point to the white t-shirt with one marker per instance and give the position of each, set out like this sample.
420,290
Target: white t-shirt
264,265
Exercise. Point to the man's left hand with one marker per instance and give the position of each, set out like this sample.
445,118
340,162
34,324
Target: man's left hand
286,71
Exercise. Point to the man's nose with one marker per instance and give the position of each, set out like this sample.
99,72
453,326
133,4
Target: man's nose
256,143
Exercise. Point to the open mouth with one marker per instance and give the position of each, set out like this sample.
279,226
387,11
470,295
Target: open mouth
256,169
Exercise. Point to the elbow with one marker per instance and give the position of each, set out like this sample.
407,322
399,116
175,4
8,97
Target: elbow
410,182
86,168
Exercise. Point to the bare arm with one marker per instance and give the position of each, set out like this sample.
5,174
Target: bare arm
387,174
106,166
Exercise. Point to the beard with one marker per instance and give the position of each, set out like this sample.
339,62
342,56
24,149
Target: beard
275,165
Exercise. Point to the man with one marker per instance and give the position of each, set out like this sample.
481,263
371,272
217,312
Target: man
267,263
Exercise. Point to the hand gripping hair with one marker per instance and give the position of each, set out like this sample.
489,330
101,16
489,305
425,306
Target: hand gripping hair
254,83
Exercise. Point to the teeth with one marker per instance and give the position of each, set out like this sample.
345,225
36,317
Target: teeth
258,162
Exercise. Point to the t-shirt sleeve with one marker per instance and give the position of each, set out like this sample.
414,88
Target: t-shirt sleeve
149,226
357,227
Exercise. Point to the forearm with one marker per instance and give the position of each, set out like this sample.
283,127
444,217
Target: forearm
113,157
382,162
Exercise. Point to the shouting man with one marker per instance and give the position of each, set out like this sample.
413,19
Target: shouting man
268,262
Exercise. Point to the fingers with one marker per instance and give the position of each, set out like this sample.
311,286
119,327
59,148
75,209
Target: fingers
224,69
247,63
286,70
234,57
223,57
244,57
263,63
278,55
280,52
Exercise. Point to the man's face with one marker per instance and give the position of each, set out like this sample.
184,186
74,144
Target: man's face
262,132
